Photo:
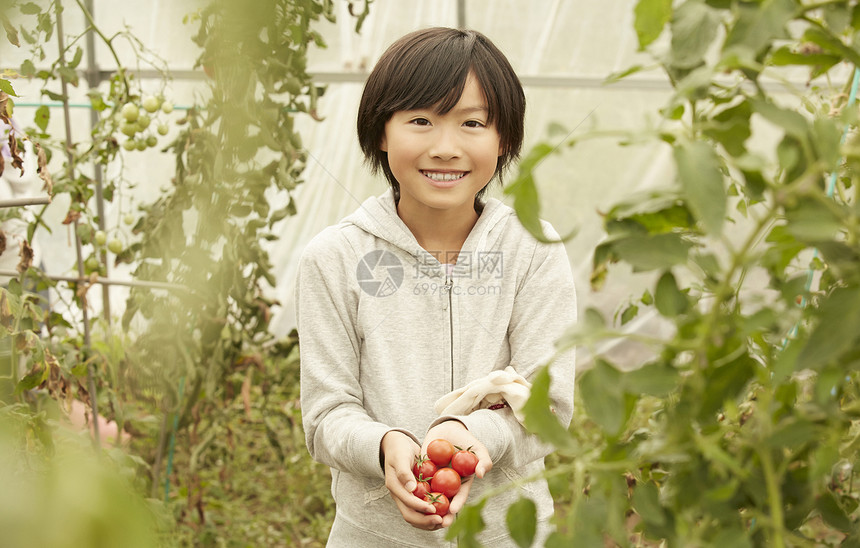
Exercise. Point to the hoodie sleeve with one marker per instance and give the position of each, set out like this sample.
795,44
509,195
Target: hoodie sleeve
544,307
338,430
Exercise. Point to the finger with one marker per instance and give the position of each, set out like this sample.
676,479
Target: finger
485,463
404,496
461,497
419,519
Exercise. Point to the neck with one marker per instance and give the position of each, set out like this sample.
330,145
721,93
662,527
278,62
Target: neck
440,232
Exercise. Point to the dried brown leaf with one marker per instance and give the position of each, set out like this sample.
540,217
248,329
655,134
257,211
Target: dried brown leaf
6,316
17,161
72,216
43,171
26,255
2,238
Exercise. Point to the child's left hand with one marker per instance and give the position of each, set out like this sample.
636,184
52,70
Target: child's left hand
457,433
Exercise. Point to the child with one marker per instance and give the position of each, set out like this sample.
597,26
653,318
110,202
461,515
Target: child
425,289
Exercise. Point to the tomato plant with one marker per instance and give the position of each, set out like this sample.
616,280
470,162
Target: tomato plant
740,424
440,452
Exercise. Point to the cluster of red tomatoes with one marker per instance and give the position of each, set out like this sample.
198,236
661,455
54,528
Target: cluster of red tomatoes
440,472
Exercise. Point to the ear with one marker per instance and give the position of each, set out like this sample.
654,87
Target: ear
501,150
383,144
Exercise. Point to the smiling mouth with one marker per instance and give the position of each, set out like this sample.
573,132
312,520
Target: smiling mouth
444,177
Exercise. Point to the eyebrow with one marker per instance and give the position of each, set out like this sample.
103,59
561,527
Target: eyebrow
469,110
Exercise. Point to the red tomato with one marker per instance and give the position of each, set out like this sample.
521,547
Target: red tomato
464,462
440,501
423,467
440,452
422,488
445,481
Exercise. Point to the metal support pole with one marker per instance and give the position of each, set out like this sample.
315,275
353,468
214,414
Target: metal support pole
70,168
93,80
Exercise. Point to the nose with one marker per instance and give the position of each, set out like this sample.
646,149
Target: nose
446,144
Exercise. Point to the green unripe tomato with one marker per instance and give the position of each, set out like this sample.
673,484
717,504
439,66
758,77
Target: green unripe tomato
128,219
150,103
100,238
151,141
130,112
140,145
163,129
115,246
92,264
143,121
129,144
129,129
167,107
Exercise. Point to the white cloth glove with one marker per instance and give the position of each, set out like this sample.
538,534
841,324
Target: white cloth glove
506,386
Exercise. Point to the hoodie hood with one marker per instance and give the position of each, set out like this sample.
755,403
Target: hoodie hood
378,216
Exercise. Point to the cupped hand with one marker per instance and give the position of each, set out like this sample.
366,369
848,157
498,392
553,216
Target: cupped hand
400,452
457,433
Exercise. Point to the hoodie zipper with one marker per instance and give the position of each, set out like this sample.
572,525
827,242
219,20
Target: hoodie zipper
449,285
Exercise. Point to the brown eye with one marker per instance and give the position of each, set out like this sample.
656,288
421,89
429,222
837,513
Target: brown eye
473,123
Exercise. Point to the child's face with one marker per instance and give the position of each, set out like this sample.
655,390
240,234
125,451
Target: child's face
442,161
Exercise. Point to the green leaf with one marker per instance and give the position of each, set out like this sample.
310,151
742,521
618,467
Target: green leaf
646,502
524,191
833,513
603,397
69,75
42,117
702,181
826,137
653,379
6,87
616,76
694,27
28,69
539,417
812,221
724,383
836,331
832,44
652,252
759,23
784,57
76,60
793,433
31,381
731,128
670,300
30,8
468,524
521,519
650,16
791,121
11,32
96,100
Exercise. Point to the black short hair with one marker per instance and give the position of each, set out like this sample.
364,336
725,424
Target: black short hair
429,67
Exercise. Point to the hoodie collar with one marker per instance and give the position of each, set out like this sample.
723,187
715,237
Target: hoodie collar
378,216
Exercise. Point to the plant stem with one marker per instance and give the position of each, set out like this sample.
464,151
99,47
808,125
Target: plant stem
108,42
773,497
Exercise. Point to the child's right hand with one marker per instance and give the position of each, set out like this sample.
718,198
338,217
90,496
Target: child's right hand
400,452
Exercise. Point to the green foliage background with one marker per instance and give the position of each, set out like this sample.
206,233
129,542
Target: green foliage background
741,428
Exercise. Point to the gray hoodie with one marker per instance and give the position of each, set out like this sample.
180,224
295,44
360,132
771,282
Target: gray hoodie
385,330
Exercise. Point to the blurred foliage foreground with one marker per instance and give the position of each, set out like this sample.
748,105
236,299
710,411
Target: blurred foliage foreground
191,374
